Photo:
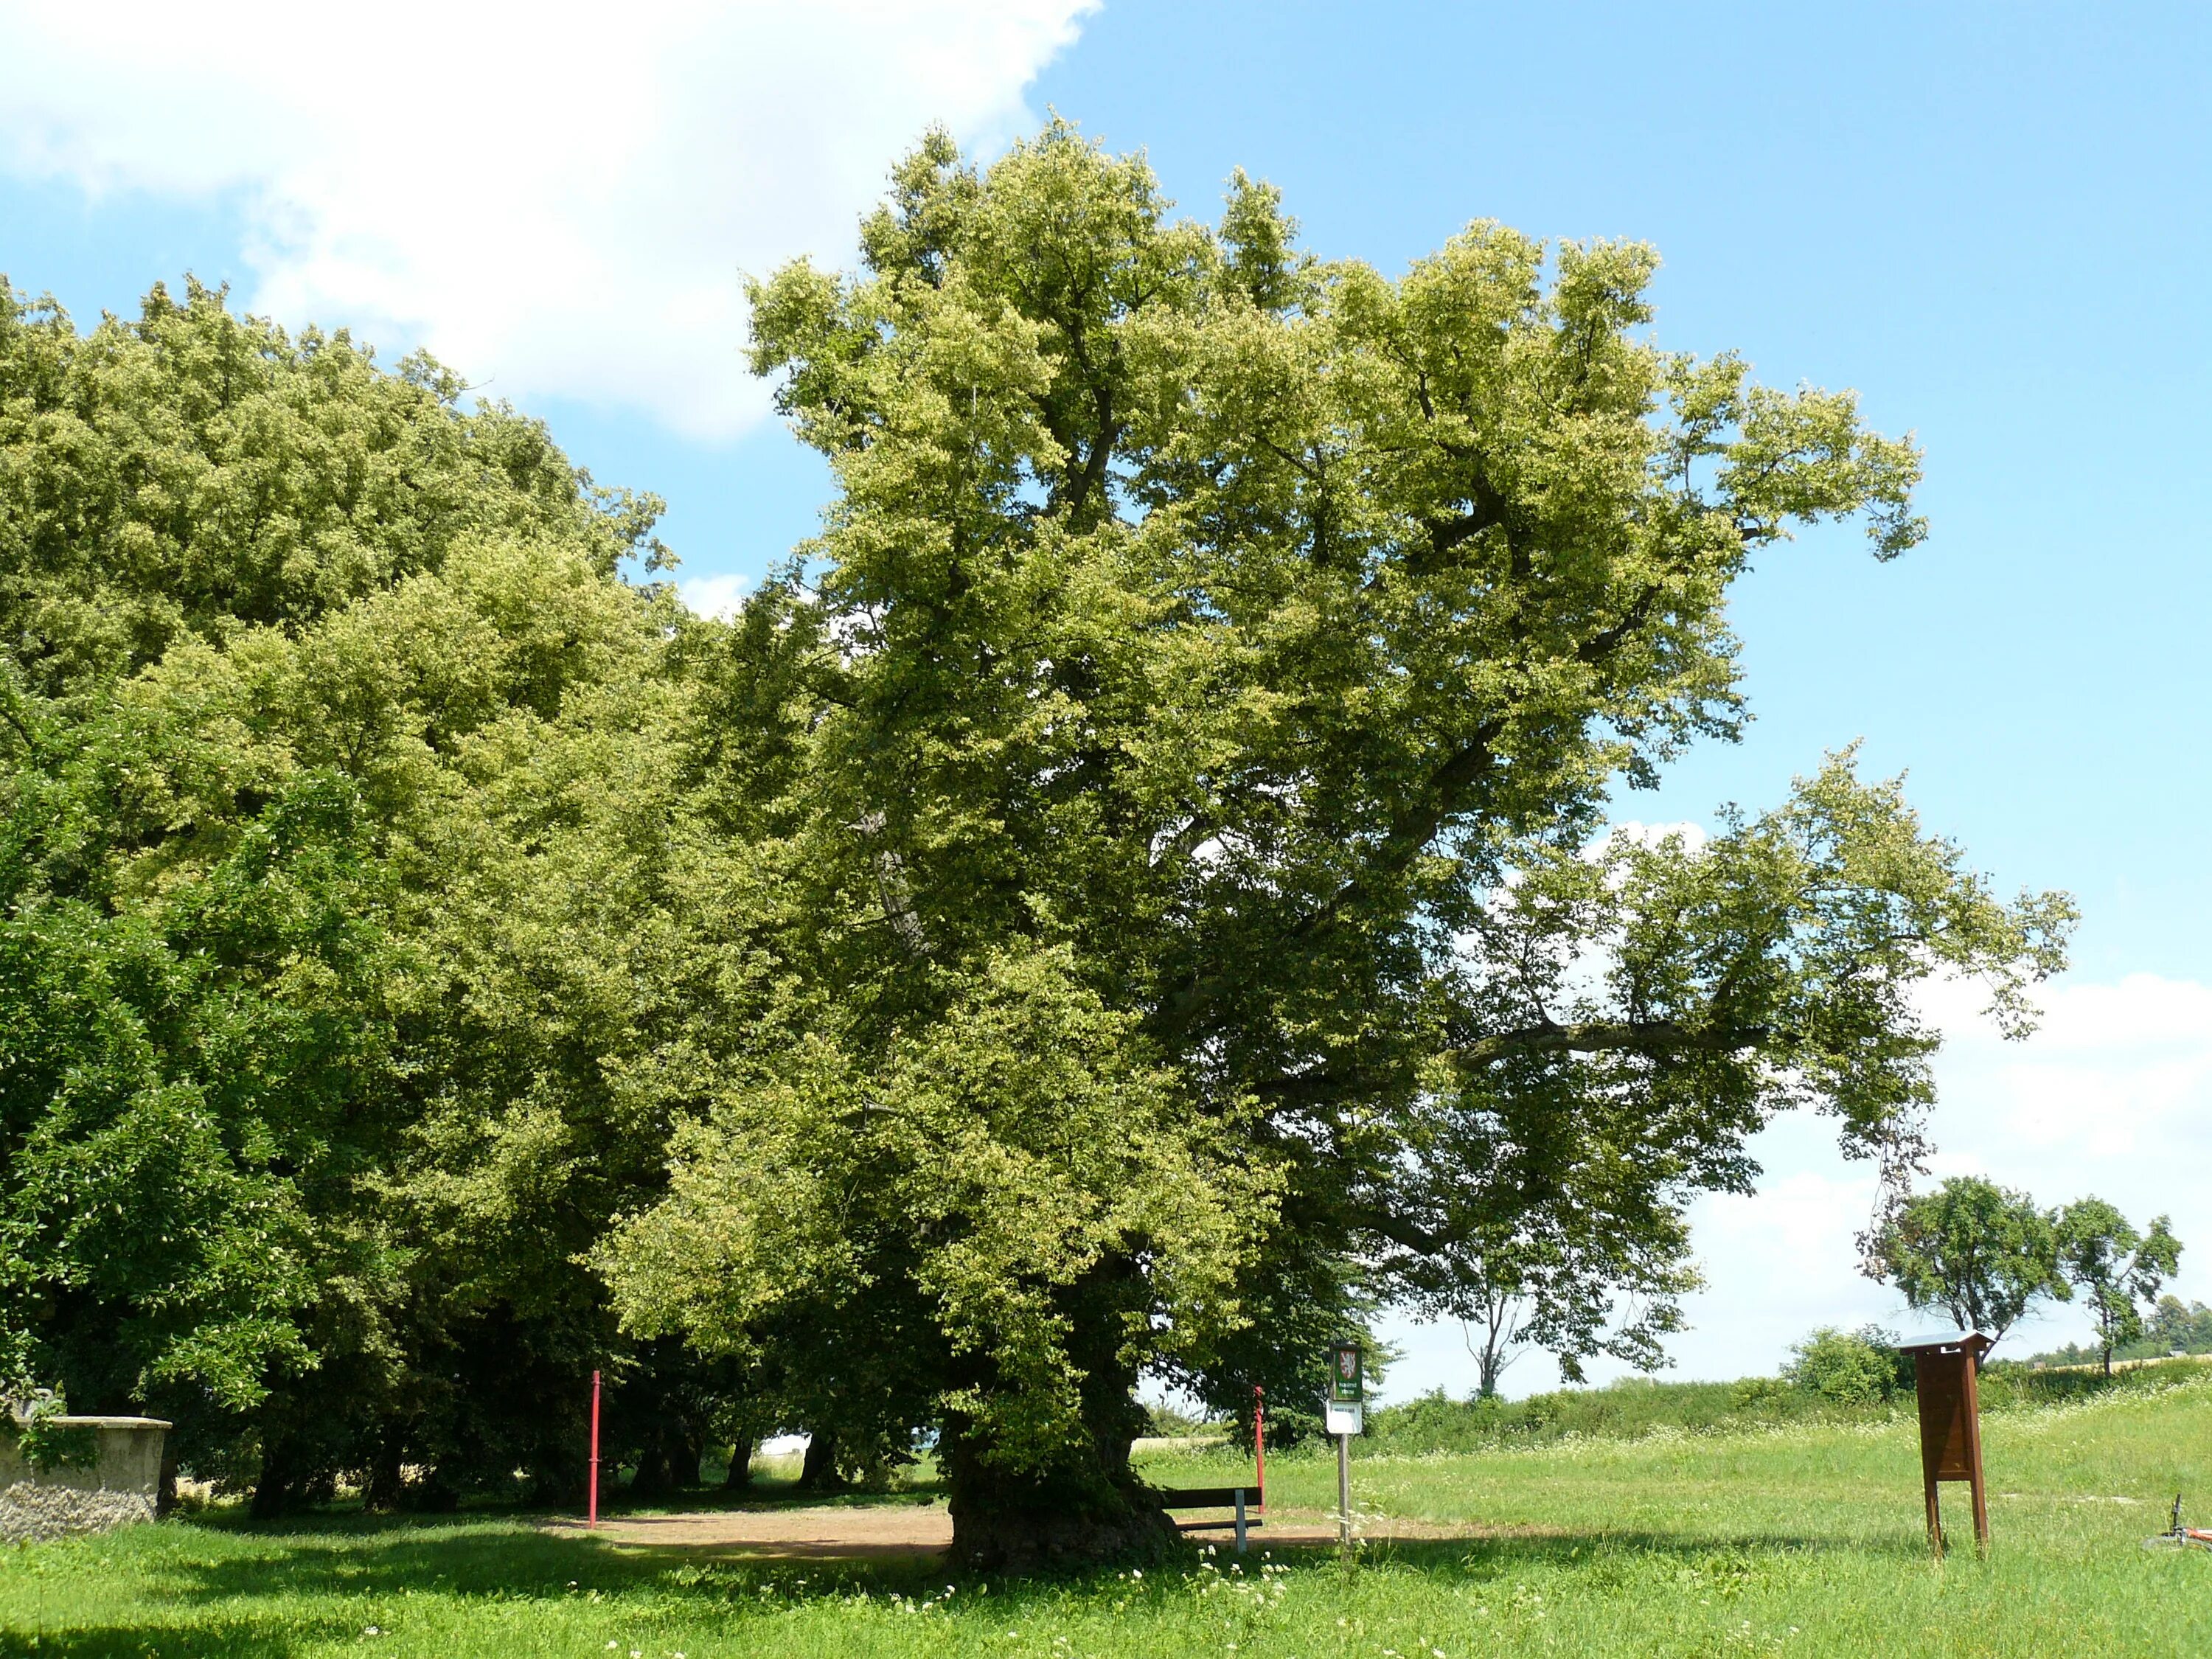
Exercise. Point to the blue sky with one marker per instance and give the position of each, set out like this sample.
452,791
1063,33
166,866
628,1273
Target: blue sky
1991,220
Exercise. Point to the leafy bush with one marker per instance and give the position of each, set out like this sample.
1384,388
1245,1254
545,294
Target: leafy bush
1755,1392
1173,1423
1636,1406
42,1440
1850,1367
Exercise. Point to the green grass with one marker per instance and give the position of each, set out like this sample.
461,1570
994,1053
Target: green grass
1799,1539
1635,1406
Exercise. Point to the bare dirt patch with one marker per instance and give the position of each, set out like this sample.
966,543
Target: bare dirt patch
912,1531
853,1531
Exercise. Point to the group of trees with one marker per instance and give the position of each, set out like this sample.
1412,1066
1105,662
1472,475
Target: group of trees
1986,1254
1131,897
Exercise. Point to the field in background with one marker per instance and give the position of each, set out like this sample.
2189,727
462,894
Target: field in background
1639,1406
1790,1537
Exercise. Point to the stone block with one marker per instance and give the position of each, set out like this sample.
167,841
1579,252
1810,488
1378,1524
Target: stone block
121,1485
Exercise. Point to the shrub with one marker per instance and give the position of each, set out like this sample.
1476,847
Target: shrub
1852,1368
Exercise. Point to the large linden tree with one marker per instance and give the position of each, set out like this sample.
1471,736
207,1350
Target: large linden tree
1175,790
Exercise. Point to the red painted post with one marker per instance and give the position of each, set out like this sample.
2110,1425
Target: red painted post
593,1518
1260,1438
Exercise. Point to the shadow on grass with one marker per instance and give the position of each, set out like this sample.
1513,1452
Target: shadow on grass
203,1639
375,1556
364,1557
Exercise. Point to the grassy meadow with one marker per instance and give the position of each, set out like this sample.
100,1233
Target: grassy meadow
1797,1537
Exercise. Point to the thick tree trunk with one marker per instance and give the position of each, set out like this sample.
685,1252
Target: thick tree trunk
275,1488
652,1480
384,1486
685,1453
819,1470
1073,1518
741,1476
1090,1509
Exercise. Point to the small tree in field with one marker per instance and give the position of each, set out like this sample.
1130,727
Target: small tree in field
1980,1252
2119,1269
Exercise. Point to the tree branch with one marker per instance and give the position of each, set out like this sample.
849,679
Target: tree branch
1598,1037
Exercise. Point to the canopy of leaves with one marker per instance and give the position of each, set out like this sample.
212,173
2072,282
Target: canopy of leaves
1981,1253
2120,1270
303,666
1250,647
1134,895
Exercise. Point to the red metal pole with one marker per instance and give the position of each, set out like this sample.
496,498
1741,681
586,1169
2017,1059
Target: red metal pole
593,1518
1260,1438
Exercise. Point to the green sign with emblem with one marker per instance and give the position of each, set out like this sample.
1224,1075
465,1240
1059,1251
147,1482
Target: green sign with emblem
1347,1382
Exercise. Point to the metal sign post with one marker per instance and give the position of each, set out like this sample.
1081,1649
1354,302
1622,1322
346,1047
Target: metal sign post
592,1514
1260,1440
1346,1412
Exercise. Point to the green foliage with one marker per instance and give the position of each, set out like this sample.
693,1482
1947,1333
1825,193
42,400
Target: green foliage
1016,1148
2175,1324
1132,897
2116,1269
289,647
1172,1422
190,472
43,1440
1982,1253
1636,1408
1850,1367
1242,650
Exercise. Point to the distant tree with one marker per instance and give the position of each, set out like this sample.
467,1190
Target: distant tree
1983,1253
1602,1276
2119,1269
2179,1326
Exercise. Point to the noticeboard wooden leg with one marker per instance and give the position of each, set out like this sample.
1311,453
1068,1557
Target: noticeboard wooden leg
1981,1516
1934,1521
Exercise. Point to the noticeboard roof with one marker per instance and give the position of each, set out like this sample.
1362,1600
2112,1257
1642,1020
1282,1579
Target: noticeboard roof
1981,1343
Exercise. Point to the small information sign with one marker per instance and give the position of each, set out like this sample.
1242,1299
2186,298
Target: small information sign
1346,1419
1347,1382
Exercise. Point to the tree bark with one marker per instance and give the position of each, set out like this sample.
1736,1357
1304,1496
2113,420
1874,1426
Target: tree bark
1091,1508
818,1471
383,1489
1071,1518
653,1479
740,1477
685,1453
275,1488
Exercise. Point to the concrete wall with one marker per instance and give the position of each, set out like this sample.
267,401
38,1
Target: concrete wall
120,1487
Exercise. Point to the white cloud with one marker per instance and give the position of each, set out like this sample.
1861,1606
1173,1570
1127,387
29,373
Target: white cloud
2112,1096
556,198
716,596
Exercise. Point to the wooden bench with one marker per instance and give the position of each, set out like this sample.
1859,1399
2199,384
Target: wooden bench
1241,1500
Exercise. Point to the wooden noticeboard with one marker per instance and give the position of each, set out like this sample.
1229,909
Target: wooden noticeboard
1944,1375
